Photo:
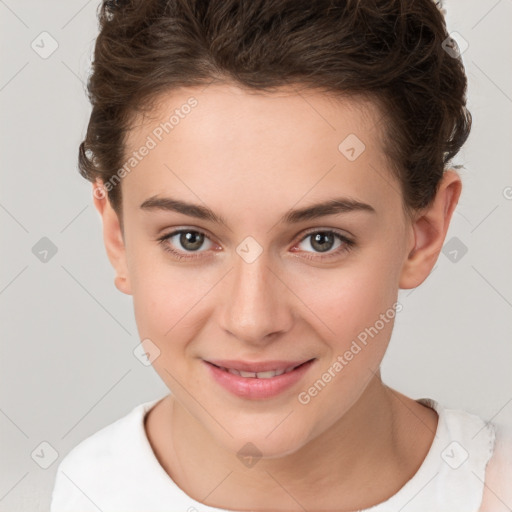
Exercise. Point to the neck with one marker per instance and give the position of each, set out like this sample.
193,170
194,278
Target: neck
361,460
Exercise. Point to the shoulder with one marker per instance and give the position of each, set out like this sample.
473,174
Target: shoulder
108,441
99,461
498,478
460,458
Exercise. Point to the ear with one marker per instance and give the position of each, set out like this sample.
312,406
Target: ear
113,237
429,230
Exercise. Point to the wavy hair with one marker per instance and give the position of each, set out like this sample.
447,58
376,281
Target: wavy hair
390,51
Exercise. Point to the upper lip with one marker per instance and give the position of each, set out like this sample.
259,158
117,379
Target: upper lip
257,366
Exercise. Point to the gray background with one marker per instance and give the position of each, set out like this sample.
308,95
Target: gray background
67,365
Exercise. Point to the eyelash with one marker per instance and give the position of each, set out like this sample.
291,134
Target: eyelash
344,248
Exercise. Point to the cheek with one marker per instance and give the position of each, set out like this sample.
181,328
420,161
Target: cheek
360,320
165,299
349,299
359,312
355,309
166,308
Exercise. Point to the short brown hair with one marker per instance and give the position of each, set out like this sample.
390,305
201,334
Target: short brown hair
390,51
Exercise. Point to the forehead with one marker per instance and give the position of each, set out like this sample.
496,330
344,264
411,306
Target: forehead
283,144
218,111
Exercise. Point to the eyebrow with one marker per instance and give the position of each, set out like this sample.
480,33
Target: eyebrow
330,207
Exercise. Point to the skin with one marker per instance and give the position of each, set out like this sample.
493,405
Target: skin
251,158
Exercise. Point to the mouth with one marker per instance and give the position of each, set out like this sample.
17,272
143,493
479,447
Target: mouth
261,380
264,370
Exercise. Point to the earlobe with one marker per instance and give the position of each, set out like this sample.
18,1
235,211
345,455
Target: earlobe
122,284
112,238
429,229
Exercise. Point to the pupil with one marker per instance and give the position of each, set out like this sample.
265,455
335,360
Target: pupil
320,239
190,237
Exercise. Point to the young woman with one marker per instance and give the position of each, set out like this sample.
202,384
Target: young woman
269,174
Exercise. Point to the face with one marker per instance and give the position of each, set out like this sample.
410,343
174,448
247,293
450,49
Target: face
256,283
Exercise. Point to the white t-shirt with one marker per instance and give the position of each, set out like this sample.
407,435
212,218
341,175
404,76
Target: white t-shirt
115,470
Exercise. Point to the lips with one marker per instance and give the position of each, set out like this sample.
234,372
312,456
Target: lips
261,380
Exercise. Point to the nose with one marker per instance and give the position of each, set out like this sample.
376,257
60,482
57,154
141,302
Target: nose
256,304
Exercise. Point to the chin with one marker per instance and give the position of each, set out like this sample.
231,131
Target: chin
259,443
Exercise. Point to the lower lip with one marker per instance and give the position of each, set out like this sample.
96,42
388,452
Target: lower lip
254,388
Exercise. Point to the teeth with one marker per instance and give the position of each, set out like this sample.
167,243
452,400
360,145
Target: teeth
259,375
247,374
267,375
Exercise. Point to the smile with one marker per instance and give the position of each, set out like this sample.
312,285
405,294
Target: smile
259,375
262,380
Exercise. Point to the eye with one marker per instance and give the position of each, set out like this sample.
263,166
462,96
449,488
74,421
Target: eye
190,240
323,242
